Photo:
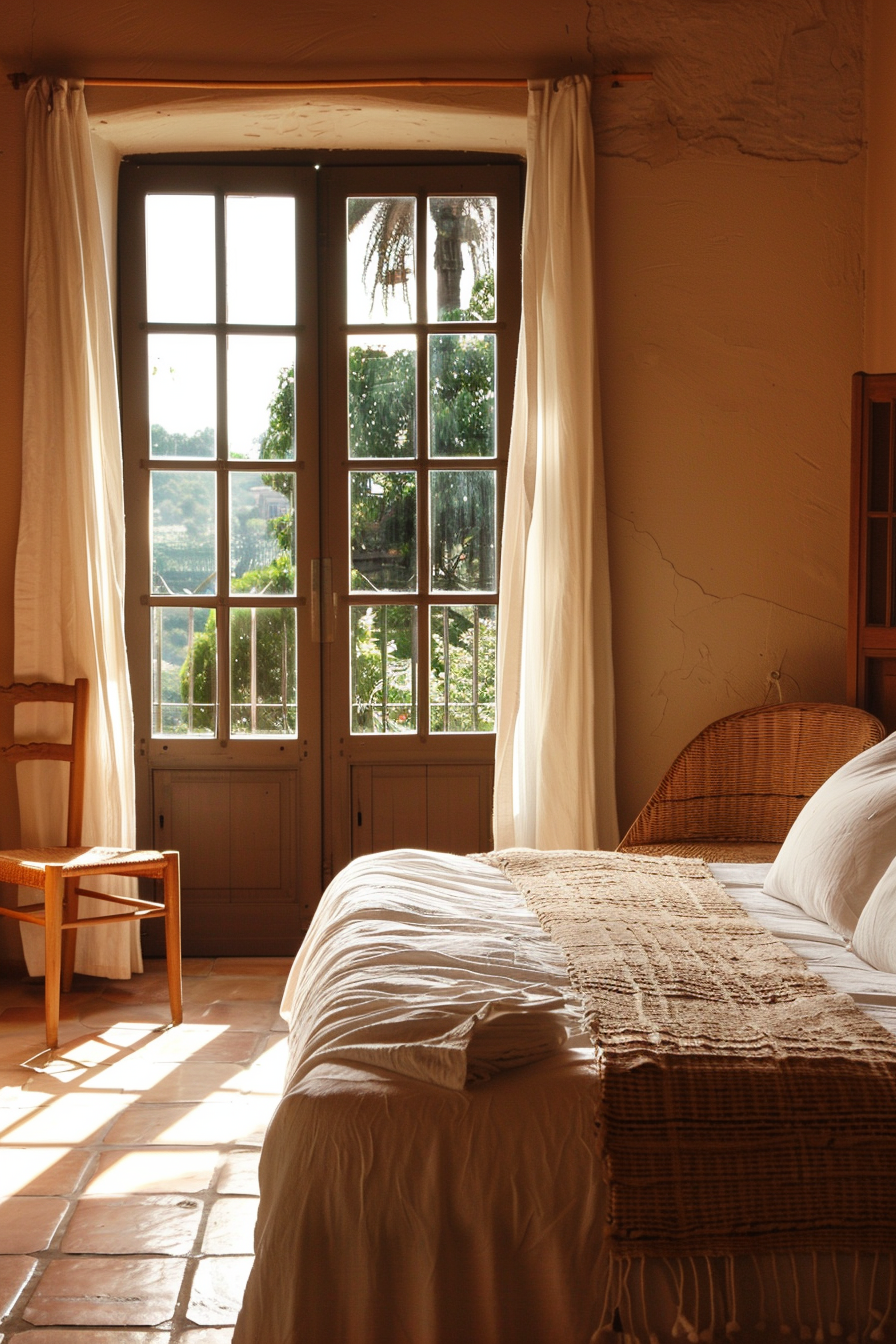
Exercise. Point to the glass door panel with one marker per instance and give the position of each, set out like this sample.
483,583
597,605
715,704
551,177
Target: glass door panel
221,433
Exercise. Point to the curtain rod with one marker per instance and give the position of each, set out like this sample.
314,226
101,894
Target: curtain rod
616,77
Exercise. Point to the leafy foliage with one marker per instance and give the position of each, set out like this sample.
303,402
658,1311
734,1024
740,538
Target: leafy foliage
382,421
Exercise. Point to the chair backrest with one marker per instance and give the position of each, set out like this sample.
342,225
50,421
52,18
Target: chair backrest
746,777
44,692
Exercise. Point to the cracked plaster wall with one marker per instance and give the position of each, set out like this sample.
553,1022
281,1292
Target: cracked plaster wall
730,196
730,203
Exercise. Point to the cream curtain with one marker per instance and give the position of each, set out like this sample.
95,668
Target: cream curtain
69,589
554,778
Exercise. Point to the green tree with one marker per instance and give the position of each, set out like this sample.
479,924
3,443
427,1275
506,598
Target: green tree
382,422
461,223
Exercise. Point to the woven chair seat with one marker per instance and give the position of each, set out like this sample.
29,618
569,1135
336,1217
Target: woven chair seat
713,851
26,867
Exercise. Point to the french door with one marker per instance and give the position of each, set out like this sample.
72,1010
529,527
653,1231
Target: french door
312,579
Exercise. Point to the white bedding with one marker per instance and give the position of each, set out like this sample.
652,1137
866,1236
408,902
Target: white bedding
397,1209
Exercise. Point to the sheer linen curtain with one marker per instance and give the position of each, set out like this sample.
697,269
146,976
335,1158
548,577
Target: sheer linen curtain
554,775
69,587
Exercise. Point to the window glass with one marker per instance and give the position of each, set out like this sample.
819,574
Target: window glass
262,532
382,396
183,532
261,397
460,237
180,259
183,405
462,531
462,395
463,641
381,268
383,531
384,669
263,671
184,678
261,259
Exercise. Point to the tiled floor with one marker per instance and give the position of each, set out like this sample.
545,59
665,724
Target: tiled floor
128,1161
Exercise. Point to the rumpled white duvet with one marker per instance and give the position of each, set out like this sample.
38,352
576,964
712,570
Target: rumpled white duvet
401,1206
426,971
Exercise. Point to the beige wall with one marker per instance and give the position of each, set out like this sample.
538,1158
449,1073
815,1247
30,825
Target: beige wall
731,195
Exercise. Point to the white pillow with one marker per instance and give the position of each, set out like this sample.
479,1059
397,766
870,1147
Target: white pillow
875,937
842,842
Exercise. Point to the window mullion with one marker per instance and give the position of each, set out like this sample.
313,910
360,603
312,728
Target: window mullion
222,619
423,457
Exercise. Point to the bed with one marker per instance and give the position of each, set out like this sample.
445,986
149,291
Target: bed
431,1174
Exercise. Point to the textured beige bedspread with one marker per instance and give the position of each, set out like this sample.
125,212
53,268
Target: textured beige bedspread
744,1106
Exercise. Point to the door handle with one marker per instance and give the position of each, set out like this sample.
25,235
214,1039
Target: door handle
323,609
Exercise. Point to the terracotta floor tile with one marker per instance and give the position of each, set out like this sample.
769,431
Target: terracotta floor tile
226,989
243,966
173,1080
104,1014
55,1335
239,1174
22,1098
102,1046
240,1016
106,1290
28,1223
159,1224
71,1008
132,1072
230,1227
229,1120
204,1044
179,1171
42,1171
139,989
18,1044
21,991
218,1289
223,1334
15,1271
79,1117
190,966
267,1073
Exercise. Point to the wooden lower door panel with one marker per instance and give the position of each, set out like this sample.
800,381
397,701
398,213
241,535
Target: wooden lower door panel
237,835
441,807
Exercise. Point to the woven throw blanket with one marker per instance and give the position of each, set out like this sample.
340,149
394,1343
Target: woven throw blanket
744,1106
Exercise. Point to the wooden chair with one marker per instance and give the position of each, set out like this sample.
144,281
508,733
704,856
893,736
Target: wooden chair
59,871
733,793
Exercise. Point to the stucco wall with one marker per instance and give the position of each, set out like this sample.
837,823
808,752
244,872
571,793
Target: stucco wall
730,202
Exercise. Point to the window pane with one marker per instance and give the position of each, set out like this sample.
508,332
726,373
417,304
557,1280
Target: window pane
183,532
384,531
261,397
263,671
183,405
382,395
261,259
380,265
262,532
460,236
462,669
462,531
384,669
184,679
462,396
180,259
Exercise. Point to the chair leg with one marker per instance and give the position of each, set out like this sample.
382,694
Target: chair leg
69,936
54,896
172,934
